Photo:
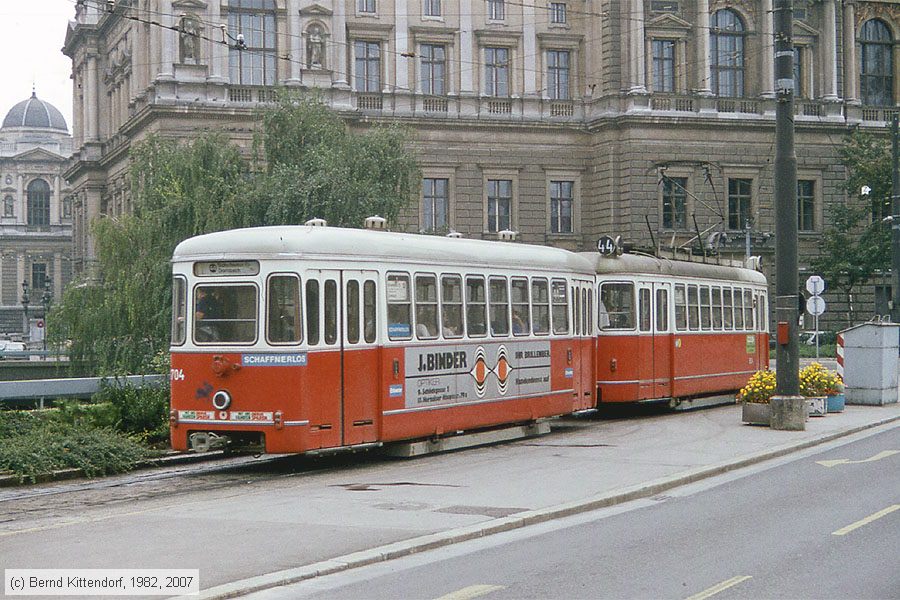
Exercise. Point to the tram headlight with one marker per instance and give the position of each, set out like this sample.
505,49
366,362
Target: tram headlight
221,400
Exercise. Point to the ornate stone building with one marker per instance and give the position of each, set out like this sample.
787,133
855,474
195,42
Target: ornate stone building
562,120
35,212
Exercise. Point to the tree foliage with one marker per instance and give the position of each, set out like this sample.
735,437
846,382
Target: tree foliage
312,166
855,244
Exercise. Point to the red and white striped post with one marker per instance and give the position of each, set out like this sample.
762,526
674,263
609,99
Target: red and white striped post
840,355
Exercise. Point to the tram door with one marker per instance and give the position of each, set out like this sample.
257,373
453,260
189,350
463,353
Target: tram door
359,357
645,356
662,340
582,356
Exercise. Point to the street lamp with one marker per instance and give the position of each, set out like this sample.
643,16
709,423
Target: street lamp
25,301
46,301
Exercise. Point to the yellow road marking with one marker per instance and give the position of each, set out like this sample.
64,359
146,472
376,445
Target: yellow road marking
845,461
720,587
473,591
867,520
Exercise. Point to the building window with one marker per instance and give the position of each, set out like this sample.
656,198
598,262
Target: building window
365,6
367,74
561,203
253,61
806,204
38,277
9,207
432,8
674,202
558,12
663,65
39,203
496,10
558,74
726,54
67,207
496,67
435,204
499,204
739,197
434,63
876,73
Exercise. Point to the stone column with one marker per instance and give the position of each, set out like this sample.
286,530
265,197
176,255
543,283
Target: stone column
851,76
468,65
21,218
169,19
218,52
530,50
339,65
637,75
91,101
704,81
829,51
401,47
57,276
768,51
295,42
56,201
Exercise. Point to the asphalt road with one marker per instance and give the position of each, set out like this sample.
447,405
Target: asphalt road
793,528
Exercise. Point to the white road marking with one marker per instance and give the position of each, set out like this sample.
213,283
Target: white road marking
867,520
720,587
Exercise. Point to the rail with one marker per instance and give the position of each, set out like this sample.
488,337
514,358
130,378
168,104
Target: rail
39,390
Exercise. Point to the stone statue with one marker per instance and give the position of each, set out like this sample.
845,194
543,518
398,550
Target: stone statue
189,40
315,48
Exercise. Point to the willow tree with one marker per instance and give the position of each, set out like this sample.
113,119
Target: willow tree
311,165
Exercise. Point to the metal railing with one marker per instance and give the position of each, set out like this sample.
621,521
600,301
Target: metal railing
39,390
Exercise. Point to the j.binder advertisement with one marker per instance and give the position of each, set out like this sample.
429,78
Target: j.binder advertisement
441,375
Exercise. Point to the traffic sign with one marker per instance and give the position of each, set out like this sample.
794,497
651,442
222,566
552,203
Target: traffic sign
815,305
815,285
40,323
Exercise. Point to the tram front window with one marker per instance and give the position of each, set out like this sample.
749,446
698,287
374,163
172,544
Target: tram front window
225,313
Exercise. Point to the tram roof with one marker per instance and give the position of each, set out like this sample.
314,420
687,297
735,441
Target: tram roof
301,241
627,264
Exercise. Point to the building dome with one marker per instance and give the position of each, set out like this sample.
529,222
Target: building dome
35,114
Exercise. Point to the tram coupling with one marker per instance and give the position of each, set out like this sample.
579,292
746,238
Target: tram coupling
206,441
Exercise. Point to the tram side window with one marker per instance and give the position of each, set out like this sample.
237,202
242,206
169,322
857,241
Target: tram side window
560,303
451,306
331,308
370,315
693,308
726,309
585,313
680,307
662,310
521,320
179,310
618,298
312,311
705,321
398,298
717,308
476,307
499,306
352,313
540,306
738,309
426,307
644,304
748,309
225,313
283,326
761,321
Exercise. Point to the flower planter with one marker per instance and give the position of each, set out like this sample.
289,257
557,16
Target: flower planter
756,413
816,406
835,403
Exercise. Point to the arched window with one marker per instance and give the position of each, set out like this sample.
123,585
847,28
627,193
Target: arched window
39,203
876,73
726,53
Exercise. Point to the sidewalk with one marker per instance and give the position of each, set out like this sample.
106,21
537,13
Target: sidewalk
583,465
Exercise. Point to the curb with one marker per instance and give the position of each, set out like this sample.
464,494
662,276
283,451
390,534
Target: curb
520,520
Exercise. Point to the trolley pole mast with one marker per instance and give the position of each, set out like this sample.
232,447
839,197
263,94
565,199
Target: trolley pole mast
895,222
788,410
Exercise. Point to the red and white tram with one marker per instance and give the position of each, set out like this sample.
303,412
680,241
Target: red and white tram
677,331
302,338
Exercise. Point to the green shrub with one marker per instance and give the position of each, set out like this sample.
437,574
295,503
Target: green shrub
55,446
18,422
143,411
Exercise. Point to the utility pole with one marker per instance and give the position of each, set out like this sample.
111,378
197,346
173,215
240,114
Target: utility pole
788,411
895,224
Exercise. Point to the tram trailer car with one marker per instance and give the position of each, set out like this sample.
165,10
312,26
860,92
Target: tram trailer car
673,330
300,338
